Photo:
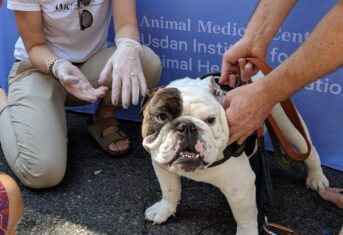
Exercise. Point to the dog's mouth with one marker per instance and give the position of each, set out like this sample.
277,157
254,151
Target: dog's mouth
187,160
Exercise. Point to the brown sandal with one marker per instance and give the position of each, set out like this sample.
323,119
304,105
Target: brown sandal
95,129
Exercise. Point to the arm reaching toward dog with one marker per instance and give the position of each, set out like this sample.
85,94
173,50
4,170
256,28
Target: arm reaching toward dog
125,66
261,29
248,106
30,26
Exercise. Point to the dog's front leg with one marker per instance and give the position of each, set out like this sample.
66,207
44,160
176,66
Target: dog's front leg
237,182
171,193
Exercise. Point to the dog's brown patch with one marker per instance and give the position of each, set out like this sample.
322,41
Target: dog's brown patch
162,100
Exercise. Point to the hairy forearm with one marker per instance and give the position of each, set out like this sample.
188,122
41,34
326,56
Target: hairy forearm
266,21
320,54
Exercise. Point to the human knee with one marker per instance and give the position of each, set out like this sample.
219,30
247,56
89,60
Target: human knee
42,172
152,66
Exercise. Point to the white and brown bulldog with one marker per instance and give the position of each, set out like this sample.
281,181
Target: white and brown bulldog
185,130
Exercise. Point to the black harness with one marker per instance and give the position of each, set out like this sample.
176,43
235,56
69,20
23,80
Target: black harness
235,150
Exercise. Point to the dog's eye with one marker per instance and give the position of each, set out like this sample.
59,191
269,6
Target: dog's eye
161,117
210,120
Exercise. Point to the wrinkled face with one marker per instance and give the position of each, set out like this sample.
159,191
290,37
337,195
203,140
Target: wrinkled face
184,126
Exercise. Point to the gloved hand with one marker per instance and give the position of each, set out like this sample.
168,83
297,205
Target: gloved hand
75,82
127,73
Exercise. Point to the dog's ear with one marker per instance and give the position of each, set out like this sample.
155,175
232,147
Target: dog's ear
147,98
216,89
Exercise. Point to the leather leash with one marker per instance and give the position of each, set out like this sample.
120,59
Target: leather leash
273,128
263,176
292,114
277,137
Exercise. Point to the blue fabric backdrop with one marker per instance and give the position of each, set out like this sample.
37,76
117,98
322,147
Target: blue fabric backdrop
190,37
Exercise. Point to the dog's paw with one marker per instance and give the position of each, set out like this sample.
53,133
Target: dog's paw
160,212
316,180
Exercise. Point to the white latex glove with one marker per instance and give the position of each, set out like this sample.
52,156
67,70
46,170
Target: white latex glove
127,74
75,82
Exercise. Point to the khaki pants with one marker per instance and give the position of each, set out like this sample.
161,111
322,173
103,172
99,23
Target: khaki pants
33,129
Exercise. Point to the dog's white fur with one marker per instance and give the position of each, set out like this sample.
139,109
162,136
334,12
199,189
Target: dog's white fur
234,178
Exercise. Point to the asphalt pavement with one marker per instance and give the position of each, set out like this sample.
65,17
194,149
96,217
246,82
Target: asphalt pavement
106,195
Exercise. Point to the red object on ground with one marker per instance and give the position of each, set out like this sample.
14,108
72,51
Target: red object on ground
4,209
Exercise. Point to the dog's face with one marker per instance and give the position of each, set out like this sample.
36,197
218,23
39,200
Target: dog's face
184,124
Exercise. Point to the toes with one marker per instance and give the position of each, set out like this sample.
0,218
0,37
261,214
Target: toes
159,212
119,145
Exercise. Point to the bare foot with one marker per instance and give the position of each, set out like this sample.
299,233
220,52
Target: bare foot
119,145
3,98
107,111
334,195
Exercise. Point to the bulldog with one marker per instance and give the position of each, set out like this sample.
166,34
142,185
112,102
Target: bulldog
185,130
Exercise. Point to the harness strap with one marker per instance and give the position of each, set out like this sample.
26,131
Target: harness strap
289,108
263,179
235,150
283,160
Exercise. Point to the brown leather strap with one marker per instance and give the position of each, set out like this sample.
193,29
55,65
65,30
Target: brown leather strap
291,112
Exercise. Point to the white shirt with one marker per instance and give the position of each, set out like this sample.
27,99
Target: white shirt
61,26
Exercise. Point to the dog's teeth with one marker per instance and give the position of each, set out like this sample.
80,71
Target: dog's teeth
188,155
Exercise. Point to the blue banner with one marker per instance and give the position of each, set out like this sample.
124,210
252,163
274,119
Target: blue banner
190,36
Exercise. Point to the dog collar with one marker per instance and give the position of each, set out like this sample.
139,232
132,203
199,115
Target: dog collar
236,150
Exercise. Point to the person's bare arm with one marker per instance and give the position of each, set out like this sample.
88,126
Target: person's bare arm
266,20
30,27
125,20
321,53
261,29
124,66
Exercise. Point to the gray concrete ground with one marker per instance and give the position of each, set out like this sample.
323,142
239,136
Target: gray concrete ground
104,195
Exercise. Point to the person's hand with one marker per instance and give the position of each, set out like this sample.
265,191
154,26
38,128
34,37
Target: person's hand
246,109
75,82
233,61
125,67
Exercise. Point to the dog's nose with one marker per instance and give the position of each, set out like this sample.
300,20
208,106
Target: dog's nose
187,129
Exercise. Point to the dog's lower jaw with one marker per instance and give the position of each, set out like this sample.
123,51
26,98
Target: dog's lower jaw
160,211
